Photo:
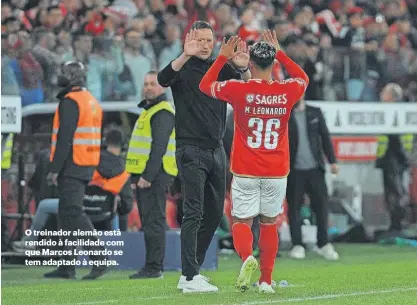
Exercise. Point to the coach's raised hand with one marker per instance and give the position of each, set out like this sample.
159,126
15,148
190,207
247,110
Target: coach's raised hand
191,45
271,38
228,48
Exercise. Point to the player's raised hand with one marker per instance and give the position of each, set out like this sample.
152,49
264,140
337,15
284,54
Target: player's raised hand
241,58
228,48
191,45
271,38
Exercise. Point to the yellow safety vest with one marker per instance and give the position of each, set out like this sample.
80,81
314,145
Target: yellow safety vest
406,141
6,161
141,141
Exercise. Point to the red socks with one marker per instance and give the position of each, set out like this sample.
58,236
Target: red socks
242,239
268,248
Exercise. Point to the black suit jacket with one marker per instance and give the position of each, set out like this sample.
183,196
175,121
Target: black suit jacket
318,135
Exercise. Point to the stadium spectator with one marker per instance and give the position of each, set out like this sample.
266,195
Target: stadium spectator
105,61
11,25
357,40
171,50
54,18
27,70
200,10
137,63
223,14
45,42
9,84
248,30
64,43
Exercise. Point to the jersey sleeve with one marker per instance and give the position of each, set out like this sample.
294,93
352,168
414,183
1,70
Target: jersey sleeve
299,80
226,91
296,87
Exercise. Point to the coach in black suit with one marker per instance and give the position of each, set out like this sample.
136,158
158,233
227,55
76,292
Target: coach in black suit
309,141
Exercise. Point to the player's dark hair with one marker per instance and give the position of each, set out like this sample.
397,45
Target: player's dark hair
262,54
199,25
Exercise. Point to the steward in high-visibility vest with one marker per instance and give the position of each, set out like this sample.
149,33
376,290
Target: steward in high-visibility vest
151,161
405,140
87,136
6,161
75,154
140,144
393,153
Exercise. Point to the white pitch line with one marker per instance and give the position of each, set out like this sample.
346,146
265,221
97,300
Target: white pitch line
327,296
14,289
276,301
132,299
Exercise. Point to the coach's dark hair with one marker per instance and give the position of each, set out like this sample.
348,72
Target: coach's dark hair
199,25
262,54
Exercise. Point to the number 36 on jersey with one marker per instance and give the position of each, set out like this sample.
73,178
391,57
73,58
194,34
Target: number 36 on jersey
264,133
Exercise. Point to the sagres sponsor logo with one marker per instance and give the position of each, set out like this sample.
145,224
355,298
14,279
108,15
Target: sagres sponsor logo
250,98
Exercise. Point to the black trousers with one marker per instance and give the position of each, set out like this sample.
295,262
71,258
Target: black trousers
394,192
151,205
203,183
71,216
311,182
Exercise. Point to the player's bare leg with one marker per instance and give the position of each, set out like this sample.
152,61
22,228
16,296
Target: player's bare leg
268,247
243,241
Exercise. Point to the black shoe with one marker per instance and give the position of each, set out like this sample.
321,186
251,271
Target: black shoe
96,272
60,274
145,274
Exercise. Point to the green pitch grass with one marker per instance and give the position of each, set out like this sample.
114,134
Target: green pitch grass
365,274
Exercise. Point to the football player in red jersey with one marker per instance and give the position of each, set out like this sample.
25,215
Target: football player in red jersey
260,151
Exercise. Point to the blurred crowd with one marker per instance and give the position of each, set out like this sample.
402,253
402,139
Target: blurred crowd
350,49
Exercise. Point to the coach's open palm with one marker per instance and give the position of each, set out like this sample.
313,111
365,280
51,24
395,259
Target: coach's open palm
191,45
271,38
228,48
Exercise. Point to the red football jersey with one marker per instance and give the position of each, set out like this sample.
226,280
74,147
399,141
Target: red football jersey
261,113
